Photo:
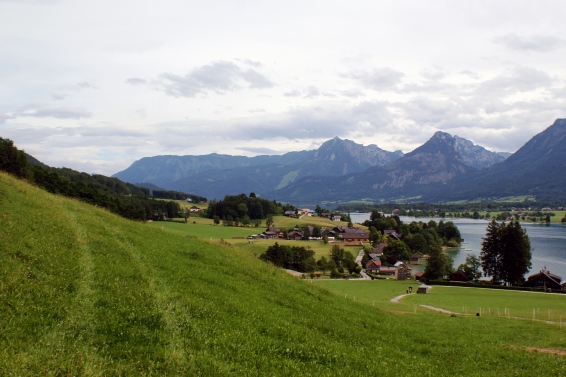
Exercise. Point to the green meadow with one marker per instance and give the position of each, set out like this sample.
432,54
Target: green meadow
459,300
86,293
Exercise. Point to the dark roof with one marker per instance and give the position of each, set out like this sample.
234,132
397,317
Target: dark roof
379,248
459,275
373,264
543,278
392,233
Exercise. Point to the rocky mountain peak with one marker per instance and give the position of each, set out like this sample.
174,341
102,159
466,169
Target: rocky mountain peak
460,149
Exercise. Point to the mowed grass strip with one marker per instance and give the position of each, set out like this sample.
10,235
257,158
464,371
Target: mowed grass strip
107,296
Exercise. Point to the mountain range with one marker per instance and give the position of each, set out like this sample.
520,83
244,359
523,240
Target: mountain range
445,168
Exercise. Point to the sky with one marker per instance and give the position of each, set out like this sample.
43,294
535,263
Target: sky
97,85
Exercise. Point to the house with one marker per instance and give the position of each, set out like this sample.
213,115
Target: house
194,209
401,271
423,288
544,280
289,213
415,259
327,232
373,266
419,276
377,251
295,235
351,234
336,218
385,270
355,237
392,233
271,233
459,275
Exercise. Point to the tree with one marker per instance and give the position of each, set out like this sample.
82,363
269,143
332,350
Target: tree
322,264
489,255
516,253
246,221
397,250
269,221
438,266
337,255
349,262
216,220
506,252
472,267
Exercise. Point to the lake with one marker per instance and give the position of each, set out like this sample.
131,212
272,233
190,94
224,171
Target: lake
548,242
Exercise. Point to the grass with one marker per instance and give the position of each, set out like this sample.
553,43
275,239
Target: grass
461,300
84,292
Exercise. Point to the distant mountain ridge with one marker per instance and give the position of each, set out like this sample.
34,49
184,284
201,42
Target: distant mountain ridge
445,168
219,175
435,163
534,170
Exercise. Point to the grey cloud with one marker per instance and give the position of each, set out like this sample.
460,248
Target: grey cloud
537,43
516,79
54,112
218,77
380,79
136,81
375,113
352,93
428,87
426,111
434,73
311,92
86,85
4,117
471,74
292,93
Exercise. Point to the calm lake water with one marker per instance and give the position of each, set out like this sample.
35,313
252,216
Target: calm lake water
548,242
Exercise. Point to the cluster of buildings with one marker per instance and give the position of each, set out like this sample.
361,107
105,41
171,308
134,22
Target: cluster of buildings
346,234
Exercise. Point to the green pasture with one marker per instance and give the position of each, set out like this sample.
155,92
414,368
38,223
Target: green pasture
488,302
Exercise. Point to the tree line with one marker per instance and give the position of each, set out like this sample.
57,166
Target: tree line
124,199
301,259
243,209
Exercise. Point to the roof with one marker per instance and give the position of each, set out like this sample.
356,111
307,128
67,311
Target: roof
543,274
459,275
386,269
373,264
355,235
379,248
392,233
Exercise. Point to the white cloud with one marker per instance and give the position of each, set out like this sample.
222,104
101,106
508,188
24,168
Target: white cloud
380,79
53,112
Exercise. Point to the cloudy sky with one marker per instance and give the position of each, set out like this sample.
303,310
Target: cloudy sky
96,85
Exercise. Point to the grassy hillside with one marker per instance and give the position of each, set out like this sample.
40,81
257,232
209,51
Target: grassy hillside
84,292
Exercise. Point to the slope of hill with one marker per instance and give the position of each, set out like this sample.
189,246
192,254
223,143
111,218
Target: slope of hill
85,292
